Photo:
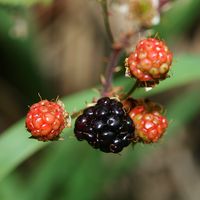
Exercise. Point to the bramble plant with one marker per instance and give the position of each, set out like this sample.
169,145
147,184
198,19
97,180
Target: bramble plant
116,119
45,48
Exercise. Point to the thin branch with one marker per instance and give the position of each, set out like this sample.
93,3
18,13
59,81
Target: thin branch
117,49
110,70
134,87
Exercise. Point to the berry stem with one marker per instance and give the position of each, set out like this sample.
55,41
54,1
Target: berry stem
133,88
117,49
106,20
109,71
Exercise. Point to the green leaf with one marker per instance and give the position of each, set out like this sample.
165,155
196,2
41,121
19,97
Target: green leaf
178,19
15,147
59,164
23,2
11,183
90,172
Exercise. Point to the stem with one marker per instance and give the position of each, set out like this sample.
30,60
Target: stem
134,87
116,50
106,20
109,71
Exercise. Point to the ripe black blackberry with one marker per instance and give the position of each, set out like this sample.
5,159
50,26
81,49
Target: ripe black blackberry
105,126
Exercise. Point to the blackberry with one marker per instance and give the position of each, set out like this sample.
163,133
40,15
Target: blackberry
105,126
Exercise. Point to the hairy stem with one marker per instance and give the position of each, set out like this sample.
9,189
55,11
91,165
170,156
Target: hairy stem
110,70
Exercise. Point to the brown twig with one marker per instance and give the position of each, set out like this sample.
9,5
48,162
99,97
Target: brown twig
117,49
110,70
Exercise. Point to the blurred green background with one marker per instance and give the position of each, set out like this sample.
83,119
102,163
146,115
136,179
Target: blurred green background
44,48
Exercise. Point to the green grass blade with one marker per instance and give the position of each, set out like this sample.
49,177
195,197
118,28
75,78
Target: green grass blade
11,188
23,2
178,19
15,147
58,166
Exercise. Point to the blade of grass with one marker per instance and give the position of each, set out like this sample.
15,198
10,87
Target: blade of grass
11,188
15,148
92,169
59,165
23,2
178,19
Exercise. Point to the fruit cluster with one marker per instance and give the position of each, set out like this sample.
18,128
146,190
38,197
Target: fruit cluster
111,124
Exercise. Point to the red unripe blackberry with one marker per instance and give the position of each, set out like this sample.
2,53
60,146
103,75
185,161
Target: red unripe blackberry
46,120
149,126
150,62
105,126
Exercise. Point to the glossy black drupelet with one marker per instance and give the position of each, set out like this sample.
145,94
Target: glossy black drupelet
105,126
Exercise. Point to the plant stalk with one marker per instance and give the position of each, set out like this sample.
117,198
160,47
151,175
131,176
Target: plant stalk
110,70
133,88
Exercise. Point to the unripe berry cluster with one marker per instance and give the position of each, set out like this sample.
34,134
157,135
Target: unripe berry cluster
46,120
150,125
150,62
